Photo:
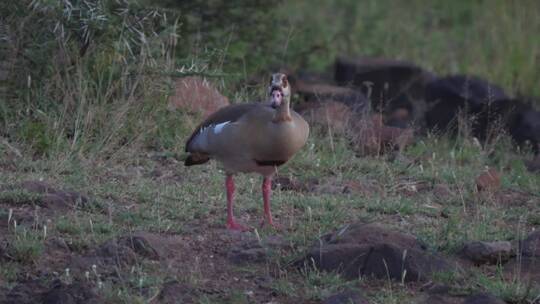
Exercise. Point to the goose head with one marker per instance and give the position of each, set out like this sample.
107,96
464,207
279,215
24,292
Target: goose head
279,91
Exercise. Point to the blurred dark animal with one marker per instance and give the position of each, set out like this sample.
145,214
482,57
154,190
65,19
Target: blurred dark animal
515,116
390,85
448,96
316,88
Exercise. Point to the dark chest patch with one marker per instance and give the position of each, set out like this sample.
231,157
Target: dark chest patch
273,163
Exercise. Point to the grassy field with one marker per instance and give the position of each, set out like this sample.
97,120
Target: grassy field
98,124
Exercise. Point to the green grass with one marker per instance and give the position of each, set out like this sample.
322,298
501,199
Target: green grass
392,294
26,245
315,286
486,38
134,200
19,197
508,289
100,126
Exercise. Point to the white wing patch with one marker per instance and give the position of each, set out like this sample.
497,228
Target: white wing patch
201,141
219,127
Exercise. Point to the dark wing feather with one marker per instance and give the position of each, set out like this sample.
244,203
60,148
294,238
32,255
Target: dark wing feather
230,113
196,159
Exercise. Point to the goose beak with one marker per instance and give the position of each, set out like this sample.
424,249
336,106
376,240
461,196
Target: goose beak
276,97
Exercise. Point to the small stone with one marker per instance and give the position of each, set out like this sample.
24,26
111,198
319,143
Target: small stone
442,191
148,245
371,137
55,202
490,181
359,250
487,252
26,292
254,251
196,94
250,255
285,183
67,294
112,253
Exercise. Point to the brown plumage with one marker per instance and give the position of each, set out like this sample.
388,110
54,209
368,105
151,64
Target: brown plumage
255,137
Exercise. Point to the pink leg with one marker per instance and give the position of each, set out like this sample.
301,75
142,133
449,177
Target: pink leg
267,191
231,223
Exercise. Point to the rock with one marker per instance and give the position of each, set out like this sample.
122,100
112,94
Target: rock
487,252
123,251
144,244
55,202
370,250
531,245
196,95
174,292
26,292
371,137
363,188
346,297
253,251
489,180
285,183
388,260
35,291
332,115
75,293
442,191
483,298
114,253
148,245
247,255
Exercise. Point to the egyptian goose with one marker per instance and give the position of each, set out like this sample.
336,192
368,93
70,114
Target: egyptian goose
252,137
